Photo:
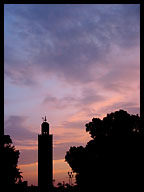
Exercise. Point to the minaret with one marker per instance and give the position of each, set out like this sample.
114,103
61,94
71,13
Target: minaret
45,157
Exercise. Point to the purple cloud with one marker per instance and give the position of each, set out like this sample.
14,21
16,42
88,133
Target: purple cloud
14,126
130,107
28,156
67,40
61,149
88,96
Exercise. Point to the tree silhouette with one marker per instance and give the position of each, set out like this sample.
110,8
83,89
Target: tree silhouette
9,172
114,158
120,123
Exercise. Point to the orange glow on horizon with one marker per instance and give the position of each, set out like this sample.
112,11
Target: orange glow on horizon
30,171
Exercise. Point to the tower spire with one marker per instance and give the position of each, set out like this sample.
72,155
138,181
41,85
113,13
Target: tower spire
44,119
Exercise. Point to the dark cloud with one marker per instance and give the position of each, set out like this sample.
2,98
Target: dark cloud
88,96
66,40
14,126
130,107
28,156
50,99
74,125
70,135
133,110
61,149
57,103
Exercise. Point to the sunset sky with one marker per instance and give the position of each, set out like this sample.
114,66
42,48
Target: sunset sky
70,63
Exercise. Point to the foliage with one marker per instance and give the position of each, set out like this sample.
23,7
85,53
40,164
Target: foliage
119,123
10,173
116,149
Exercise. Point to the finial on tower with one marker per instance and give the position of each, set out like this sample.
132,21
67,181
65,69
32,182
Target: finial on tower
44,119
45,126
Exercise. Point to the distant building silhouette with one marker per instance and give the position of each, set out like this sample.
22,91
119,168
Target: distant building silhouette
45,157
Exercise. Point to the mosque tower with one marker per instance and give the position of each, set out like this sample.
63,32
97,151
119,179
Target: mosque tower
45,157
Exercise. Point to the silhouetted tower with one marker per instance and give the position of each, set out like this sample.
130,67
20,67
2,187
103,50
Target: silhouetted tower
45,157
